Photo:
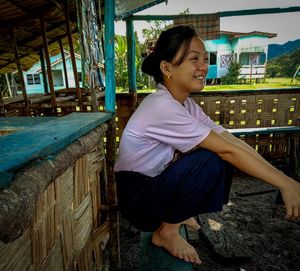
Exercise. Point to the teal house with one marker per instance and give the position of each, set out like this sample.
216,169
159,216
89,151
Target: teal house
250,50
34,79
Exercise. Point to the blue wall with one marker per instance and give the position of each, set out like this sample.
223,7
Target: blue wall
57,73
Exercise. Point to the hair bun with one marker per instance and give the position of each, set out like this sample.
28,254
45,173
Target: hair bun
150,64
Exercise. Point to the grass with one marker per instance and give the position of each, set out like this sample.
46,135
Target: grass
269,83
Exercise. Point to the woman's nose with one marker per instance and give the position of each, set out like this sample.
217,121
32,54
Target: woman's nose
203,66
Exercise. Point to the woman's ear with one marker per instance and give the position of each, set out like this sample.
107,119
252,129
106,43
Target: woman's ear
165,68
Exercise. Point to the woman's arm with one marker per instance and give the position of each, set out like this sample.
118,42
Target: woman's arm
253,164
230,137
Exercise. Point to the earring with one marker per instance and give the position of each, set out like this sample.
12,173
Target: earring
169,76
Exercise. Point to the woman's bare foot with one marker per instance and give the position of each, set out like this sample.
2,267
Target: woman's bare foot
173,242
192,222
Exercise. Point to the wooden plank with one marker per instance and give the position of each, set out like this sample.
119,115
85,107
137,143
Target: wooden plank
221,14
48,63
64,62
112,194
131,56
46,138
72,54
110,79
20,72
265,130
42,59
22,122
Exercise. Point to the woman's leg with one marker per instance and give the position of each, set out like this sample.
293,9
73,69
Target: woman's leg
167,236
198,178
192,185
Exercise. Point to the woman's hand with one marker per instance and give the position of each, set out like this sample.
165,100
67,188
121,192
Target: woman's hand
291,197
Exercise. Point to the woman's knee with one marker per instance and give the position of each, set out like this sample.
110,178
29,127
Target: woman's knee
211,159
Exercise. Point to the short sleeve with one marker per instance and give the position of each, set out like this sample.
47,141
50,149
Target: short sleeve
172,124
197,112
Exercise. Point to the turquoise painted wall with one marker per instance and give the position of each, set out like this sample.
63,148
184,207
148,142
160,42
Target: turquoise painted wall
57,73
226,50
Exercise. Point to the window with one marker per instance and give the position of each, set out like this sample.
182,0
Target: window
244,58
37,80
79,76
33,79
212,58
30,79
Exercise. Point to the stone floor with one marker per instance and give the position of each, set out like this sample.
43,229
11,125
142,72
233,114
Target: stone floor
250,234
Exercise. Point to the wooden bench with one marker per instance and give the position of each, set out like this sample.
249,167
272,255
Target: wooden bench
287,136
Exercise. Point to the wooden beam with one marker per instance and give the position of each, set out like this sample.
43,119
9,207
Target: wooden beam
64,63
42,59
221,14
110,79
19,67
2,109
112,194
48,63
34,13
131,50
72,54
8,85
258,11
49,43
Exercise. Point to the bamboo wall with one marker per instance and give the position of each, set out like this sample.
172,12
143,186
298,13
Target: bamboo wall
69,228
241,109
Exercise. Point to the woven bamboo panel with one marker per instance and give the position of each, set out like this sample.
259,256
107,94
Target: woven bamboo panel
82,221
242,110
54,260
96,197
80,181
43,226
64,194
17,254
66,232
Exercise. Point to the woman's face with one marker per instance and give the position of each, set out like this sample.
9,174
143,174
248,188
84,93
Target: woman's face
190,75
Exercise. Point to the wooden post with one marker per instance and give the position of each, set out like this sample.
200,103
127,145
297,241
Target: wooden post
42,59
64,62
8,85
131,50
2,110
112,196
48,63
72,55
110,79
20,72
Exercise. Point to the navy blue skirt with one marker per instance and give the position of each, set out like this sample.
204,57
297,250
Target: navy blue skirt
198,182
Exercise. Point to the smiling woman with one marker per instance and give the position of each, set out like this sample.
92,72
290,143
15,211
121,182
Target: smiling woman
174,162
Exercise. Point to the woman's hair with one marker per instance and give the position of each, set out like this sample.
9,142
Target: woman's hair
167,46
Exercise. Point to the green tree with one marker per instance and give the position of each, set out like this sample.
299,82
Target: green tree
232,76
154,29
121,72
285,65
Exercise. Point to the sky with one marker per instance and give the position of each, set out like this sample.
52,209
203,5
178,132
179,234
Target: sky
285,25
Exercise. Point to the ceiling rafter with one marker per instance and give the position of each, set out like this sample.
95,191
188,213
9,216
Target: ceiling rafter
36,52
33,14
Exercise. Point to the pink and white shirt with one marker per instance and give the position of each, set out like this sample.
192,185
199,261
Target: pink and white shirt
158,127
